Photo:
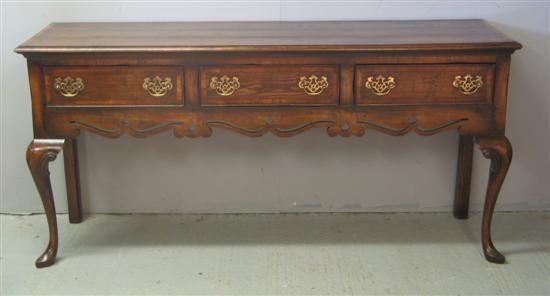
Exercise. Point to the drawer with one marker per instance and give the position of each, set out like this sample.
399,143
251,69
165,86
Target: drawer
424,84
269,85
106,85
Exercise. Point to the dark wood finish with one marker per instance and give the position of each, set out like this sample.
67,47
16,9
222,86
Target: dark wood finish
72,179
39,154
463,177
499,151
501,92
37,97
268,36
426,84
269,85
269,59
114,85
346,84
285,121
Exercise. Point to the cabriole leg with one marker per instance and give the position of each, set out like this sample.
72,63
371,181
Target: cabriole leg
463,177
499,151
39,154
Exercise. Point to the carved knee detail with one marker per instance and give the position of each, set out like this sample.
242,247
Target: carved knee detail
499,151
39,154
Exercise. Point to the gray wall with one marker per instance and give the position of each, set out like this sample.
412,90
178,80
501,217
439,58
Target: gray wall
309,172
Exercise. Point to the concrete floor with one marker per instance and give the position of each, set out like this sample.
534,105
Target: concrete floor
277,254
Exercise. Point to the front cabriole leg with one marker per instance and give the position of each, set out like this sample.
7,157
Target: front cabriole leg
499,151
39,154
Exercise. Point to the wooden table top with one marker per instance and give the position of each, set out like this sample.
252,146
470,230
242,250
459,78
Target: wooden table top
267,36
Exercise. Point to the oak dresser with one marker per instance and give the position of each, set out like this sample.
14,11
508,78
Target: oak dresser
254,78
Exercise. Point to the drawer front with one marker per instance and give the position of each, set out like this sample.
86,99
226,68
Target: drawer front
269,85
424,84
108,85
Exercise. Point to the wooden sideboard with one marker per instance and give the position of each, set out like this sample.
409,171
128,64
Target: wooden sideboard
254,78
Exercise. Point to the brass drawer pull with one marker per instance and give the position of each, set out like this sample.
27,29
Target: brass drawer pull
69,87
380,85
468,84
156,86
313,86
224,85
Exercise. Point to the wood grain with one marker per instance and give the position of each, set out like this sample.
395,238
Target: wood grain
499,151
40,153
268,36
270,85
269,59
148,121
72,180
425,84
463,177
114,85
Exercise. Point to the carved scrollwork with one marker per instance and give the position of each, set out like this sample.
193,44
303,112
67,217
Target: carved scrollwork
68,86
468,84
197,128
345,129
313,85
124,126
269,127
380,85
156,86
200,127
412,125
225,86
